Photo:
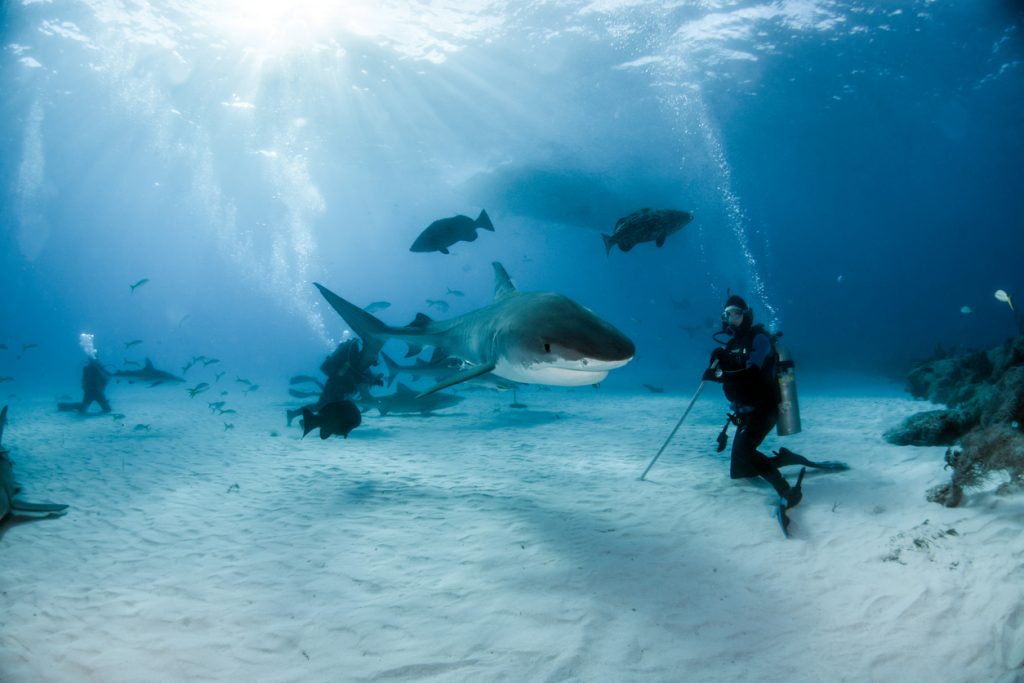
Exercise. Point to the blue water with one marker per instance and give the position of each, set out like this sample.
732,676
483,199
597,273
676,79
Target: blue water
854,169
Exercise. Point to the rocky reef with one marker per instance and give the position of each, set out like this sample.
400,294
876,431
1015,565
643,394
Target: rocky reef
984,396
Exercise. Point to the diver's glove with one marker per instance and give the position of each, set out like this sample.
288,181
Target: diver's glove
712,374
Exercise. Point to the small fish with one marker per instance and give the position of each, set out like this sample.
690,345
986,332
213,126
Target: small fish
138,284
215,406
252,387
117,417
3,347
228,425
188,366
30,345
653,389
219,375
133,342
241,380
1005,298
184,318
210,361
140,428
966,310
198,389
454,292
377,306
438,304
6,379
229,411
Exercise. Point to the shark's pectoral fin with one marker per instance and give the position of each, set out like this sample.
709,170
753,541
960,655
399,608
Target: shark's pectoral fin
443,250
458,377
18,505
661,241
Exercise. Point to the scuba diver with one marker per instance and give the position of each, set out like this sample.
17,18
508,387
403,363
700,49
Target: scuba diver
94,381
747,365
348,372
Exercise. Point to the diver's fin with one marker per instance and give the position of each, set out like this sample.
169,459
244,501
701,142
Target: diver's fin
467,374
780,514
785,457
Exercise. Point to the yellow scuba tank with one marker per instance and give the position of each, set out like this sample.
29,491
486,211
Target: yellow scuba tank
789,408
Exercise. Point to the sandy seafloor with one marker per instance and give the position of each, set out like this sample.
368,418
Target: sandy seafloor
489,543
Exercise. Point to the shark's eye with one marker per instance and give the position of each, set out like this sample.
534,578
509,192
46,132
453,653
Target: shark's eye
547,347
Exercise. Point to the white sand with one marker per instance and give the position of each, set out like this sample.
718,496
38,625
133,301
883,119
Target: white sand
493,544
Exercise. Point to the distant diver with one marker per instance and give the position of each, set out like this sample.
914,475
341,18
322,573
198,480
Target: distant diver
531,337
645,225
443,233
94,381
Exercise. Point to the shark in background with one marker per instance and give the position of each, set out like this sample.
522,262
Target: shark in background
529,337
9,488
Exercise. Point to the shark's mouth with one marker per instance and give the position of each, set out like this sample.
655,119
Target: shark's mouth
561,372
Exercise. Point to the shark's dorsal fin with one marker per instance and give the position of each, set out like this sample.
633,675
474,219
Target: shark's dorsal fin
421,320
467,374
503,286
149,365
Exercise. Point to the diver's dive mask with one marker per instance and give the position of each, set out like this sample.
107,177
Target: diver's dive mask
733,317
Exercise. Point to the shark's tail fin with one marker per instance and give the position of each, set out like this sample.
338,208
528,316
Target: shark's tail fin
484,221
310,421
393,368
371,329
607,244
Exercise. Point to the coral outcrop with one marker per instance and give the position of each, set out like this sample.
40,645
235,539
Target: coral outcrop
984,395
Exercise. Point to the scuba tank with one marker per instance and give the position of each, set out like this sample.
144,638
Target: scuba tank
789,408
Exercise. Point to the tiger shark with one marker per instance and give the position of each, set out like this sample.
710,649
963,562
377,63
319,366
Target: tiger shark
530,337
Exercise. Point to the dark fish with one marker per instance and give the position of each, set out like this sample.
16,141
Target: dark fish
132,343
30,345
6,378
139,284
455,292
198,389
653,389
340,417
445,232
645,225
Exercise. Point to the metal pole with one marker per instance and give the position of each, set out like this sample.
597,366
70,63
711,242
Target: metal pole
678,424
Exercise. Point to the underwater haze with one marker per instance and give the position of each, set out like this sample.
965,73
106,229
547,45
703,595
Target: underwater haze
853,168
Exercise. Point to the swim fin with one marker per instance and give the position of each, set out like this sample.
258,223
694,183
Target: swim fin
785,457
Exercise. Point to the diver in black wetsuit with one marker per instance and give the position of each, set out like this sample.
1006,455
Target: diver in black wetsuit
94,384
746,367
348,372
